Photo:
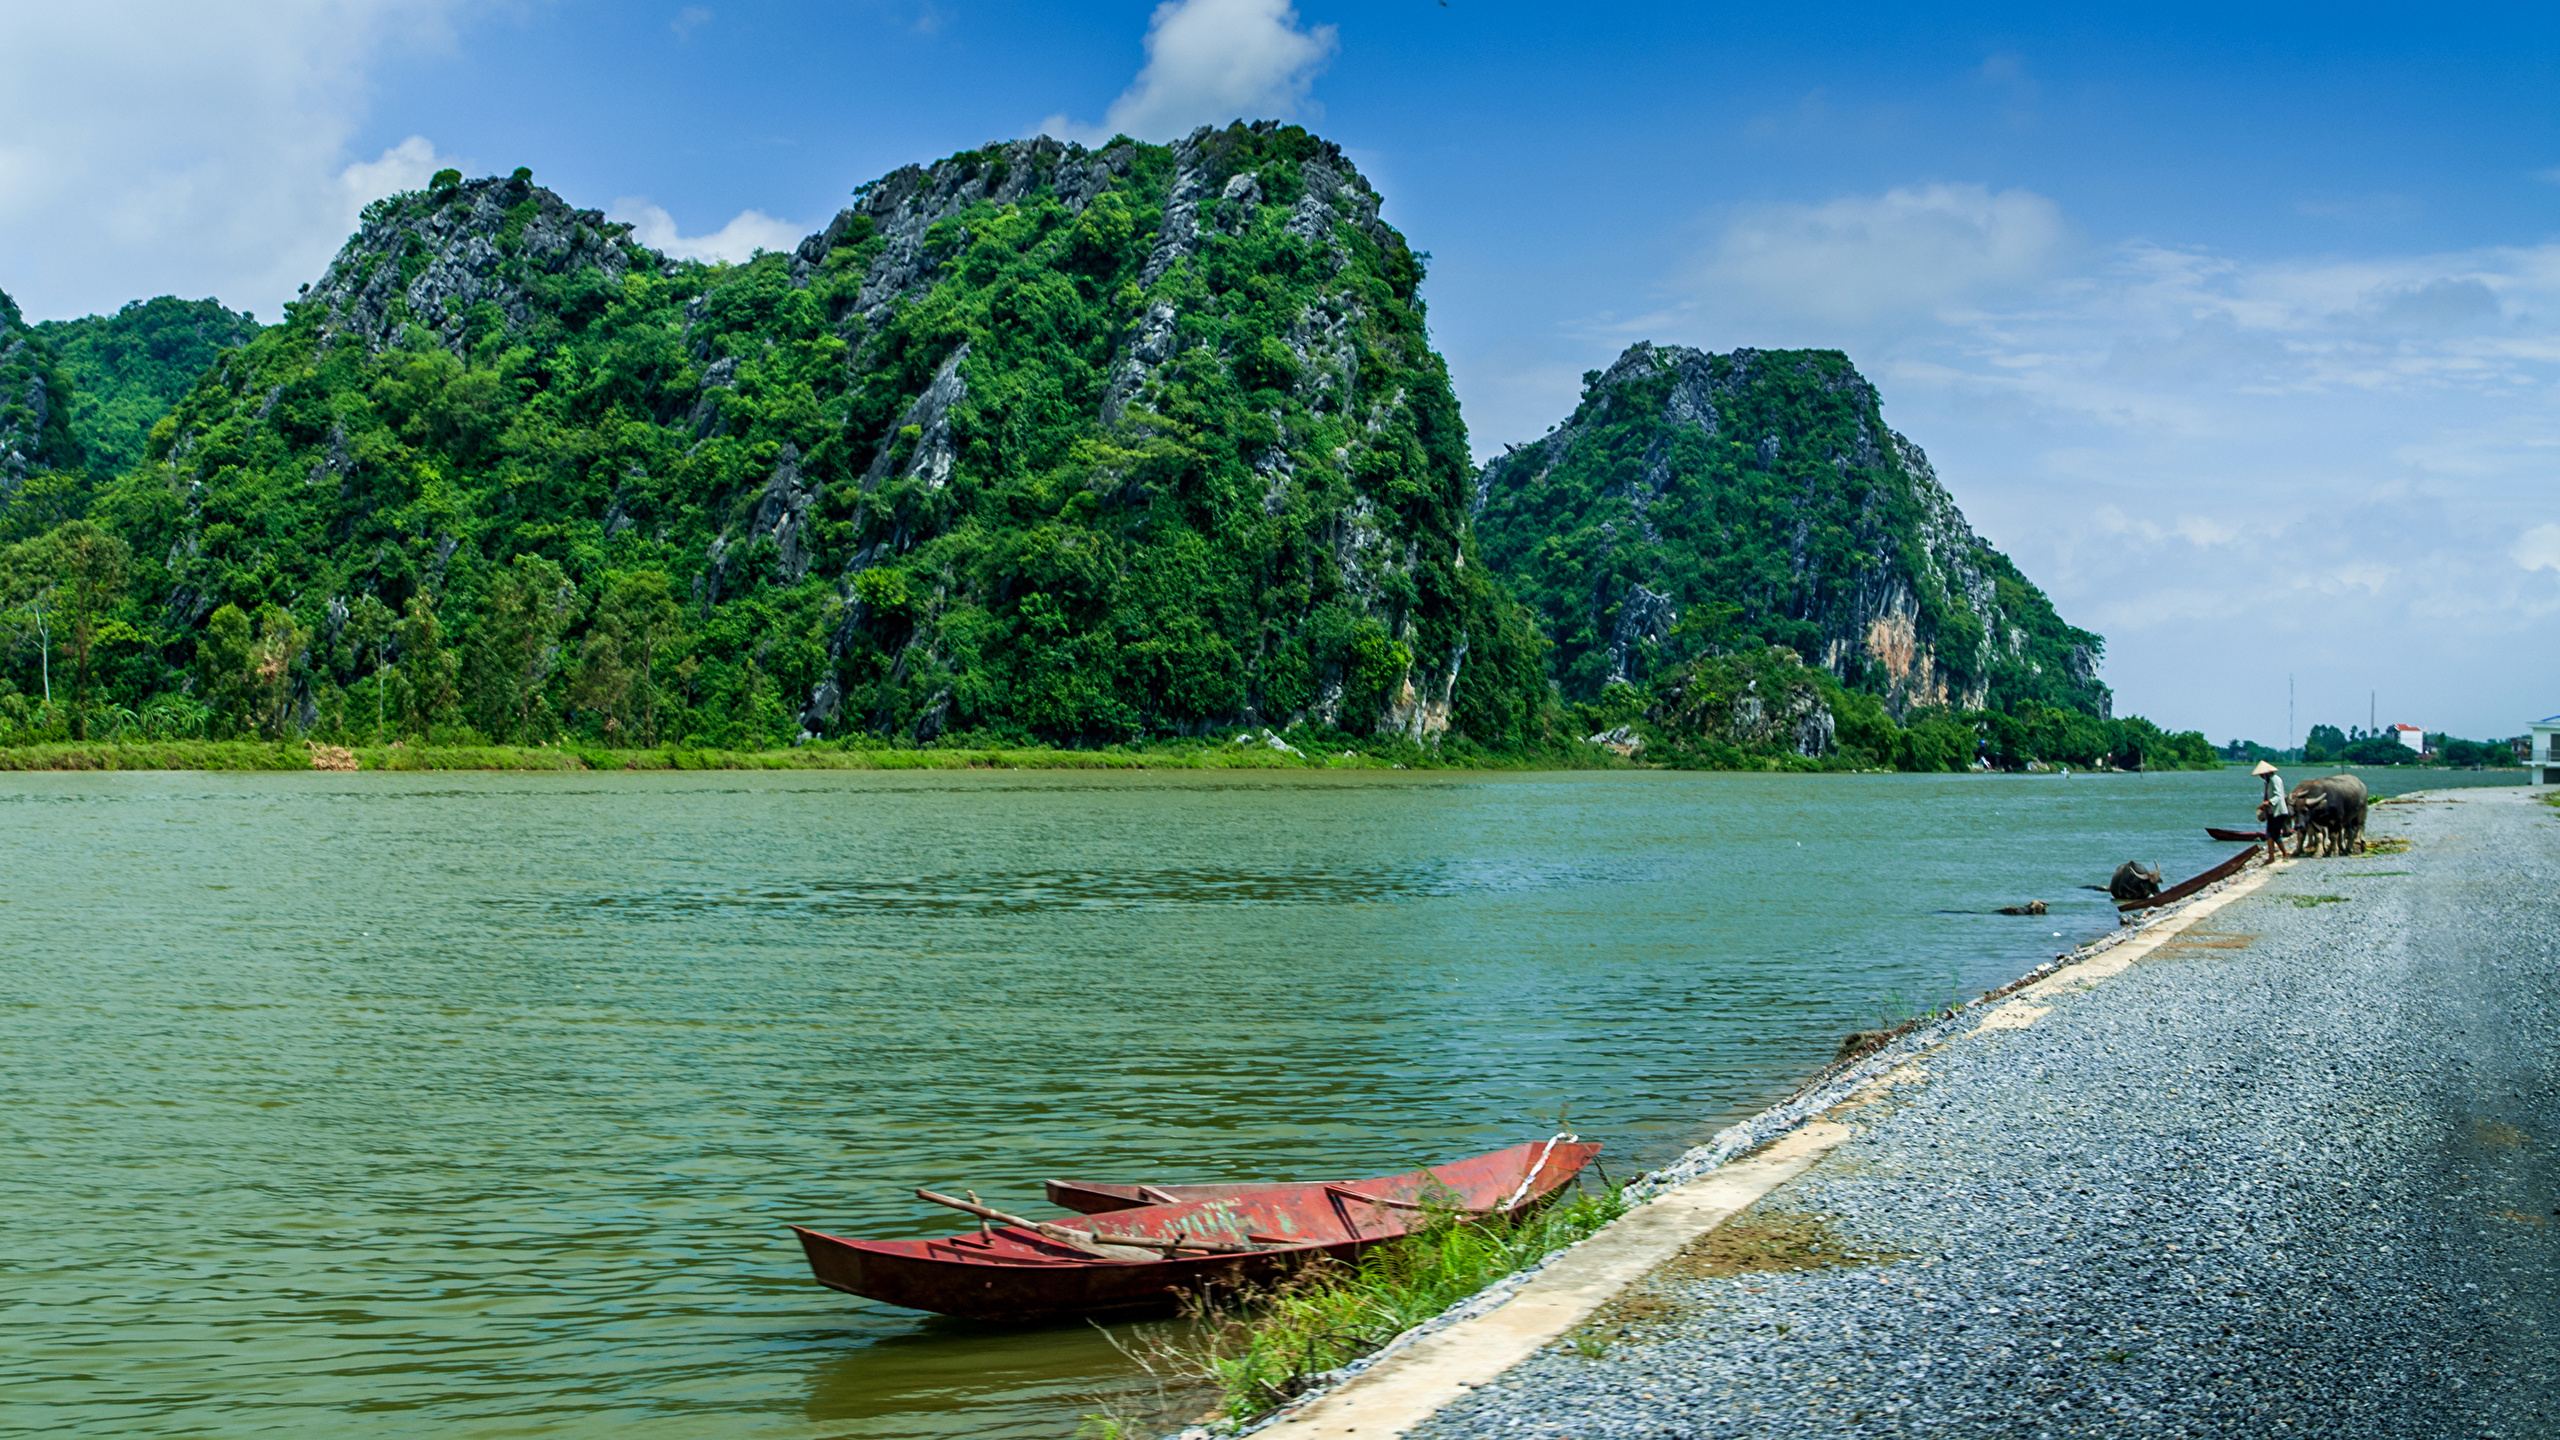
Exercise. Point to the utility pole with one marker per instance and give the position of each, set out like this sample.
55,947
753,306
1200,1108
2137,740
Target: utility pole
2288,710
42,606
2372,722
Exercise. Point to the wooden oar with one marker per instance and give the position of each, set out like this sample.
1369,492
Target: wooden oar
1106,1245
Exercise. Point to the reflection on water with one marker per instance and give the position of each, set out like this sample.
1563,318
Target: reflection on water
475,1106
966,892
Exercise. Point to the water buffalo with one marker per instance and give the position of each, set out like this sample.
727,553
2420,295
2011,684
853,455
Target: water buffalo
2328,814
2132,882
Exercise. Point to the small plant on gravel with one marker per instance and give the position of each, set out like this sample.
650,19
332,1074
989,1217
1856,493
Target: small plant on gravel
2305,902
1262,1351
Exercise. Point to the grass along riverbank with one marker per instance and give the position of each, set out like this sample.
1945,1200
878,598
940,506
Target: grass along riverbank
1266,1349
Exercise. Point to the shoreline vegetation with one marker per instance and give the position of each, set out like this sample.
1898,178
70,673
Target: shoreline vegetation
1259,1351
1249,751
273,755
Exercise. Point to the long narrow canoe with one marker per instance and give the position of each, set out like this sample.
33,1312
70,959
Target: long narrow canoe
2187,887
2219,833
1007,1273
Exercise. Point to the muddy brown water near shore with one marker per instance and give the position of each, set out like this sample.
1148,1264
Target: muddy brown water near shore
473,1105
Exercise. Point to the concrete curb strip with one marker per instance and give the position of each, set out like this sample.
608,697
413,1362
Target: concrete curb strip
1428,1368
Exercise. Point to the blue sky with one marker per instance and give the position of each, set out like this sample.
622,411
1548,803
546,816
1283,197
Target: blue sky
2240,330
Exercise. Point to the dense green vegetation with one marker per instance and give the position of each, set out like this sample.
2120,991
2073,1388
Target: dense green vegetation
128,750
1037,450
1751,711
36,439
2327,744
128,368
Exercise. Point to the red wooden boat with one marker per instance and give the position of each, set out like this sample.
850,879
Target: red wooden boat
2221,834
1259,1233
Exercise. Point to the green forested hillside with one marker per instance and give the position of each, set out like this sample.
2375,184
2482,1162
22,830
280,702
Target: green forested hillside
1037,442
35,421
1698,504
128,368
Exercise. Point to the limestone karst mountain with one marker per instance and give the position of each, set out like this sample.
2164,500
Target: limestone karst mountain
1035,441
1697,504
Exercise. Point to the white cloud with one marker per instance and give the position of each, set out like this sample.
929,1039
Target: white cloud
2538,548
408,165
688,20
1212,61
1917,251
739,240
180,146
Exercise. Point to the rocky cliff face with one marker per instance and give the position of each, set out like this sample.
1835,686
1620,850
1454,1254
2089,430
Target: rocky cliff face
438,257
35,405
1698,504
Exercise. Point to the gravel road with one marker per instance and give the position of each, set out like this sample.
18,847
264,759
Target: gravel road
2296,1174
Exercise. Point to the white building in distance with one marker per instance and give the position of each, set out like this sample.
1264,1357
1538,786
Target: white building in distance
2543,769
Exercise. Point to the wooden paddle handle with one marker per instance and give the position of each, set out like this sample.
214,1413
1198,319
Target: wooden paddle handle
1096,1242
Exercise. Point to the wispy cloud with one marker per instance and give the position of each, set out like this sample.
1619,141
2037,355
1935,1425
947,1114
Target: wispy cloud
688,20
2538,548
1211,61
1857,259
739,240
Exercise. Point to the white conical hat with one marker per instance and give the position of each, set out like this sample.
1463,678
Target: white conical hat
2264,768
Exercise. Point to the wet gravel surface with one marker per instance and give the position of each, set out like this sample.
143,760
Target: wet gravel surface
2298,1176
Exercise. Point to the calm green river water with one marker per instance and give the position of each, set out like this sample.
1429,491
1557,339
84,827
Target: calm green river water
474,1106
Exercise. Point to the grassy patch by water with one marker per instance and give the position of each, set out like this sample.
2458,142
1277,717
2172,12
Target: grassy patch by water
1260,1350
157,755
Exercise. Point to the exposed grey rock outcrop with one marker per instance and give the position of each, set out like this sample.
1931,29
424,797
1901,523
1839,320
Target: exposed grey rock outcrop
781,515
900,207
928,455
430,259
35,411
1645,615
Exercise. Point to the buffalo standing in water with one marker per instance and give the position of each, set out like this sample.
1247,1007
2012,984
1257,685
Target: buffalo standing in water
2132,882
2328,815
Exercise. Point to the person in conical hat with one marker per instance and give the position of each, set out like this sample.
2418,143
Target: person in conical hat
2271,807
